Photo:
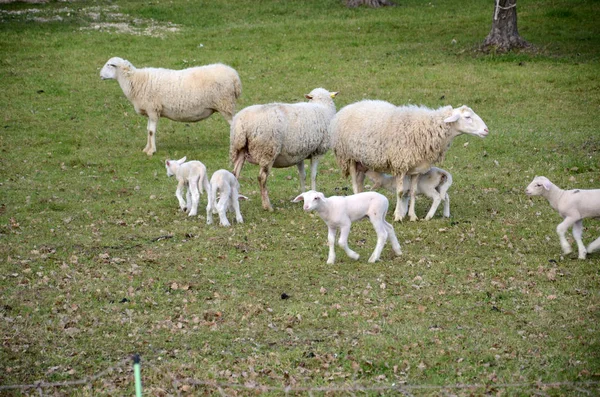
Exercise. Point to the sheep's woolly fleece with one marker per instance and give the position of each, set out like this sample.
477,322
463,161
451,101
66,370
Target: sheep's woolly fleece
102,19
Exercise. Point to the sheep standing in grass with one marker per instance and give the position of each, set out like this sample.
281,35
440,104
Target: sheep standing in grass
282,135
574,206
193,175
339,212
186,95
433,184
228,186
403,140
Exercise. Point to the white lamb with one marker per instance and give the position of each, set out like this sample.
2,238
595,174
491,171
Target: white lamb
433,184
228,186
193,176
339,212
282,135
574,206
186,95
400,140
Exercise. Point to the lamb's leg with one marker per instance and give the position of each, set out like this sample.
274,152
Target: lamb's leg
398,214
414,179
239,163
594,246
195,197
577,234
179,195
392,237
331,244
404,203
236,205
262,182
301,176
314,164
223,205
447,206
151,143
561,230
437,199
343,241
382,237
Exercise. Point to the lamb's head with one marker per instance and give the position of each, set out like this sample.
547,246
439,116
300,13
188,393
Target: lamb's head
109,70
465,121
538,186
320,95
173,165
312,199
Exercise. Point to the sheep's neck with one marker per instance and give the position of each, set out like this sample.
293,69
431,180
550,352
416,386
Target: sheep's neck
553,196
125,84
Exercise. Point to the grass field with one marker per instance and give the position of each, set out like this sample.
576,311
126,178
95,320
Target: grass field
97,262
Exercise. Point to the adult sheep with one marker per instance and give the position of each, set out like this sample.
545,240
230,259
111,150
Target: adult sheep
399,140
186,95
281,135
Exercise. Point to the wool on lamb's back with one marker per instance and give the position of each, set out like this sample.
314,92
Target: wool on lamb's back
387,138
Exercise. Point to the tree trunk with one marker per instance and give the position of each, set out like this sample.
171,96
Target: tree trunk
369,3
504,35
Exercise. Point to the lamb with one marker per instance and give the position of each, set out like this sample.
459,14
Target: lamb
193,175
228,186
186,95
403,140
339,212
574,206
433,184
282,135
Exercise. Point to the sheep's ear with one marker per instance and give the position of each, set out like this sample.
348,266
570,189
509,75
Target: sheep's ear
308,96
299,198
333,94
452,119
181,160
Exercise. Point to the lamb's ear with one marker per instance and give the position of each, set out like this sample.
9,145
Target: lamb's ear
333,94
181,160
167,163
242,197
546,184
452,119
299,198
308,96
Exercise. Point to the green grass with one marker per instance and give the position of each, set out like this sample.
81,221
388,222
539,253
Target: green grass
98,263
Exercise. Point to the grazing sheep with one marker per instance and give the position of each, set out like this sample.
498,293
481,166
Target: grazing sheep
433,184
186,95
574,206
282,135
339,212
229,187
193,175
404,140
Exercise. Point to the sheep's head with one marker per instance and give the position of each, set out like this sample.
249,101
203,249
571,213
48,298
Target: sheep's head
173,165
312,199
466,121
320,95
109,70
538,186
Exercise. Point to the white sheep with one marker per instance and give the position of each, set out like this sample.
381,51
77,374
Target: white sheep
433,184
193,176
339,212
403,140
574,206
186,95
282,135
228,186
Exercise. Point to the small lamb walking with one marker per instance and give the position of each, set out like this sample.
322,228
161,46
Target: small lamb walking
339,212
193,175
574,206
228,186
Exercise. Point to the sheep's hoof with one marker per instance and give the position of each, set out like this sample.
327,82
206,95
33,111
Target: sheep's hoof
414,219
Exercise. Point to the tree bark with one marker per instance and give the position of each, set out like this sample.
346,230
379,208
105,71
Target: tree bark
369,3
504,35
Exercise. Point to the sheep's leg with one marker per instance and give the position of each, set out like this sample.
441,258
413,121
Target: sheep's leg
398,214
358,178
223,205
194,194
179,195
577,235
236,206
151,143
302,176
414,179
262,182
447,206
331,244
314,164
343,241
392,237
239,163
382,237
594,246
561,230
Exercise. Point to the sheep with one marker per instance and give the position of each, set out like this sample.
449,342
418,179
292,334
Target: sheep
282,135
433,184
339,212
403,140
228,186
574,206
193,175
186,95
